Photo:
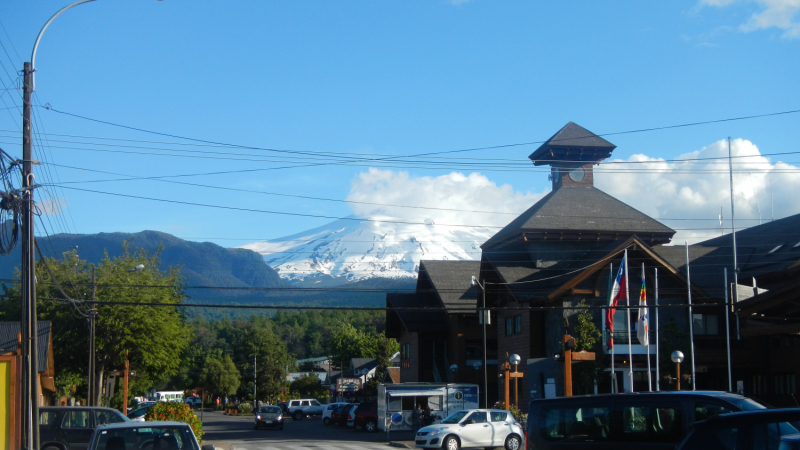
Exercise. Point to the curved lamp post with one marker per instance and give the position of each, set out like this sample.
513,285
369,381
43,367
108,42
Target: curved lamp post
483,317
677,358
28,324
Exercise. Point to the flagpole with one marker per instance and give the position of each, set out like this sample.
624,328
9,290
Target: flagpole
628,316
728,331
658,365
691,317
647,333
611,332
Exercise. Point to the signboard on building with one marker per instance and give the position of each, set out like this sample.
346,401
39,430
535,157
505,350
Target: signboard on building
348,384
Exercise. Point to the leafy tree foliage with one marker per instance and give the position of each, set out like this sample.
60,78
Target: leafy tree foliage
307,385
220,375
154,336
586,373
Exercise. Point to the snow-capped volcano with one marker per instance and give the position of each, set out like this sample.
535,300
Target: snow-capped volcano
361,249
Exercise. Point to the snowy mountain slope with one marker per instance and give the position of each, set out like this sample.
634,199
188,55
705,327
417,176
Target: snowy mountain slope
362,249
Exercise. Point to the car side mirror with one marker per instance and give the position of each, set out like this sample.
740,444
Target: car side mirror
207,447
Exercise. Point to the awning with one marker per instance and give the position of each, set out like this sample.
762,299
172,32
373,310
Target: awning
416,393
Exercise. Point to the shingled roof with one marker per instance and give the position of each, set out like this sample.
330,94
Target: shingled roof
587,145
9,343
582,210
451,280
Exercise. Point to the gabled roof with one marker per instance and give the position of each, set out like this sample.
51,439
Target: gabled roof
590,146
363,363
418,320
582,210
9,343
451,280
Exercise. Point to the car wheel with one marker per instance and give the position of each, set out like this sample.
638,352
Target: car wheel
371,426
255,427
326,421
513,442
297,415
451,443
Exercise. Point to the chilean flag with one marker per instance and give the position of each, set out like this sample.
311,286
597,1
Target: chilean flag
617,294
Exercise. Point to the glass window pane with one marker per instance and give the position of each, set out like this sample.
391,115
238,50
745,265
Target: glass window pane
699,324
47,418
703,411
498,416
518,324
575,424
712,325
76,419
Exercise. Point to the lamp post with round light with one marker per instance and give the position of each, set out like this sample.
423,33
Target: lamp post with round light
677,358
514,360
454,372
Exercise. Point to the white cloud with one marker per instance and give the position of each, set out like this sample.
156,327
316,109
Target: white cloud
774,14
454,198
697,190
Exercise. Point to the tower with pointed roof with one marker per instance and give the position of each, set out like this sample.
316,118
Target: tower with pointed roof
571,154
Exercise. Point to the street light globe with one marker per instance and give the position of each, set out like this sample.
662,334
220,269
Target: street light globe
514,359
677,356
453,367
477,365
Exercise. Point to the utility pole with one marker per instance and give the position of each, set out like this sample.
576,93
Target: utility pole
125,388
255,379
92,400
28,325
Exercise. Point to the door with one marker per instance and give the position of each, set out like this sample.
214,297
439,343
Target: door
476,430
501,427
76,429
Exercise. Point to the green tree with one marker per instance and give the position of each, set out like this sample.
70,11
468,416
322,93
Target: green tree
220,375
307,385
587,338
385,348
255,344
155,337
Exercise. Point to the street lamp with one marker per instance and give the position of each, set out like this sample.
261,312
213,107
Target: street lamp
93,388
28,324
454,370
483,317
677,358
514,360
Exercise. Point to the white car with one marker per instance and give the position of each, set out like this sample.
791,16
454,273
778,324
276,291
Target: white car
326,413
303,407
481,428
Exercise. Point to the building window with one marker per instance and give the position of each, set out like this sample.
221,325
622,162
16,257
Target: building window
705,324
513,325
405,351
784,384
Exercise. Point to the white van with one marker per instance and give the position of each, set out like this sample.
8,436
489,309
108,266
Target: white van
166,396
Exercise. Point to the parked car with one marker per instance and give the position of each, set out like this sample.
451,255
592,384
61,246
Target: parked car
344,414
620,421
351,416
329,410
146,436
365,417
301,408
472,428
764,429
194,402
138,414
141,404
71,427
269,416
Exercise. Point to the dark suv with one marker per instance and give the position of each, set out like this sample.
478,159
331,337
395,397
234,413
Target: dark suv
366,416
71,427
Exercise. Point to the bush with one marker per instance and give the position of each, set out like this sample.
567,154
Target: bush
179,412
245,408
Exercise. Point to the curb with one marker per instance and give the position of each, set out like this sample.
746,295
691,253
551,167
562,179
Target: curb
398,444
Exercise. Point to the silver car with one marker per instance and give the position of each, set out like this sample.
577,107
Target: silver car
472,428
146,436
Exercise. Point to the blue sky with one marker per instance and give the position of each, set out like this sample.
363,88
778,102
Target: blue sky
388,78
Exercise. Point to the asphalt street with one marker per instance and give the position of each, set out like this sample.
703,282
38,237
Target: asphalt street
237,433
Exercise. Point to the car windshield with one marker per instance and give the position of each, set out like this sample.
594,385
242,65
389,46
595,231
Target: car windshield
144,438
269,409
138,412
455,417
